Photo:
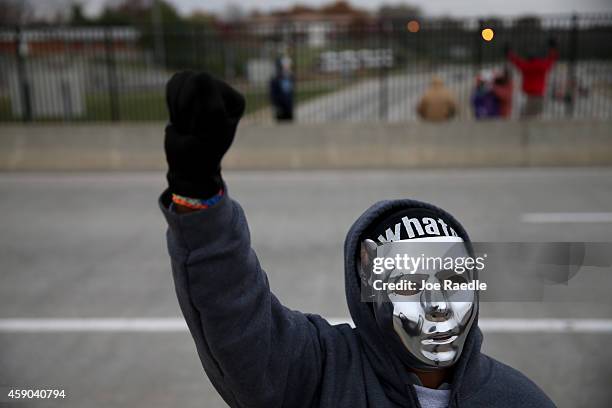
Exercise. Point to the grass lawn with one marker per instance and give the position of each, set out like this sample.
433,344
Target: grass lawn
6,112
137,106
151,105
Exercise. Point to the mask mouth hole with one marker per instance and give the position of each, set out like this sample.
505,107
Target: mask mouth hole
441,338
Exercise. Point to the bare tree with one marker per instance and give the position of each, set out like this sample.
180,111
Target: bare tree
399,11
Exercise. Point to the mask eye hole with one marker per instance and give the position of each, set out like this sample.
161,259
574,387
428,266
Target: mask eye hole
454,279
416,279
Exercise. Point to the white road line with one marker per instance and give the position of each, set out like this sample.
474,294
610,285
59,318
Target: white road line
566,217
160,325
493,325
94,325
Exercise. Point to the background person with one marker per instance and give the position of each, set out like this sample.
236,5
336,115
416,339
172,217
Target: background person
282,90
492,97
534,71
484,101
257,352
503,90
437,104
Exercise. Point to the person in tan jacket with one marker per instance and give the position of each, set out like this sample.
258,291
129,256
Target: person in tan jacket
437,103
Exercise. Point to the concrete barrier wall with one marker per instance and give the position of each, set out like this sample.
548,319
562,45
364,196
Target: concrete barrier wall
457,144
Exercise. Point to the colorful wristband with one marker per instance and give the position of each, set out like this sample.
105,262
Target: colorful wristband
197,203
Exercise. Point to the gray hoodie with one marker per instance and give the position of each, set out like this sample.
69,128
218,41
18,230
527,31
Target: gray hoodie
258,353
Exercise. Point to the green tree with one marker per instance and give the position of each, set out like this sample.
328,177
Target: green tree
76,17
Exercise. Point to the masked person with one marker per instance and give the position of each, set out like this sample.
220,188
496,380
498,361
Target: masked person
258,353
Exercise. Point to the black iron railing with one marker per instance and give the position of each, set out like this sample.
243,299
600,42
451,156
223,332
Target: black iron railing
368,71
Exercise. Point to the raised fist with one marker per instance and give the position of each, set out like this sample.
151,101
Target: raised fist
204,113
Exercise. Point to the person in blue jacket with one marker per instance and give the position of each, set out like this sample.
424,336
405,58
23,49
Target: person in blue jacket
484,101
259,353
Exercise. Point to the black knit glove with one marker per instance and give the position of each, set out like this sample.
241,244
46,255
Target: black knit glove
204,113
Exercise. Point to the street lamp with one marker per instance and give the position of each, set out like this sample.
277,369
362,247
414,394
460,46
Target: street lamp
487,34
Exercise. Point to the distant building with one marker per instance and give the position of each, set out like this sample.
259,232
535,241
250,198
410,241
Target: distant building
58,66
313,26
54,41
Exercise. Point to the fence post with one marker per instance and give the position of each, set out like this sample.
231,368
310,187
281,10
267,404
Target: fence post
158,33
22,77
383,92
194,45
111,74
293,53
572,80
479,45
228,61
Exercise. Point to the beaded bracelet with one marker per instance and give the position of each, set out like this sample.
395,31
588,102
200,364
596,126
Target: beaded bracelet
197,203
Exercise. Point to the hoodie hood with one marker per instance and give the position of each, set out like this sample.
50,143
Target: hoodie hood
382,346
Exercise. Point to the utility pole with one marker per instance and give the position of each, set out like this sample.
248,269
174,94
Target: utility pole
479,46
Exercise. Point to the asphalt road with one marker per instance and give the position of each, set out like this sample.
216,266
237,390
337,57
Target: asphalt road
392,99
92,246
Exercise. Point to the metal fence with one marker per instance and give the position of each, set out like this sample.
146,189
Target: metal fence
368,71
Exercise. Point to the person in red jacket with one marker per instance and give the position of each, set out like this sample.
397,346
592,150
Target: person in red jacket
534,71
503,89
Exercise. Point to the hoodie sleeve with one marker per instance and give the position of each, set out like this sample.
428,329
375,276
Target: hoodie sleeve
254,350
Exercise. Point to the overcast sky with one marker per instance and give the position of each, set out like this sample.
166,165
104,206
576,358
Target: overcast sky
430,7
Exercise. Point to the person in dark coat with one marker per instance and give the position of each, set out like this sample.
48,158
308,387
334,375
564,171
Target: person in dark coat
259,353
282,87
